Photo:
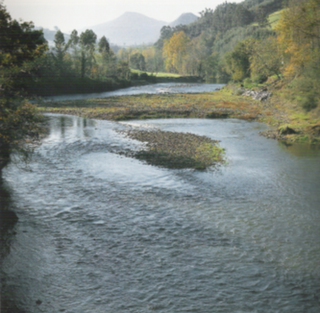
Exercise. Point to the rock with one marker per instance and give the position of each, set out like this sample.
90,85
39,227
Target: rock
286,130
258,95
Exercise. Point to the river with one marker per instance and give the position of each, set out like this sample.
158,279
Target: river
100,232
161,88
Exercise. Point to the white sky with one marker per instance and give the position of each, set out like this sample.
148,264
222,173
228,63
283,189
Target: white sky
77,14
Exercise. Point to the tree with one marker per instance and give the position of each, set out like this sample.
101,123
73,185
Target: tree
104,47
299,34
60,49
87,43
266,58
19,121
237,61
18,42
73,43
174,50
137,61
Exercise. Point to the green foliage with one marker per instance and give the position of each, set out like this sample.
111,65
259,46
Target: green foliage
137,61
20,44
217,32
229,40
237,61
104,47
230,15
307,86
266,59
20,125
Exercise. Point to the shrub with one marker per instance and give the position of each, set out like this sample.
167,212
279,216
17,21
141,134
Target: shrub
308,101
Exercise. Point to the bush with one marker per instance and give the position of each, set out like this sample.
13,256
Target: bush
259,78
144,76
308,102
134,76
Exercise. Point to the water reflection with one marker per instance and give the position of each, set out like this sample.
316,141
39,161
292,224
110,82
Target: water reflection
8,220
301,150
65,127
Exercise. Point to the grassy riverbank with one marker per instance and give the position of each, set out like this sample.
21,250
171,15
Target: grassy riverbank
288,121
220,104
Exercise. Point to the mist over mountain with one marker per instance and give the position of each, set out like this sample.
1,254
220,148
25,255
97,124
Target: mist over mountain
135,29
184,19
130,29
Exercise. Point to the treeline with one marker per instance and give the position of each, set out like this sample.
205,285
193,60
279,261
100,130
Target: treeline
291,55
236,42
198,48
80,64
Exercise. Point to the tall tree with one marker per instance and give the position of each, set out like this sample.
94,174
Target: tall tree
299,34
60,49
73,44
174,50
238,61
104,47
137,61
19,43
87,43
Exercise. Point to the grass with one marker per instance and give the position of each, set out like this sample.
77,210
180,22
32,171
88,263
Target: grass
177,150
219,104
274,18
278,111
160,74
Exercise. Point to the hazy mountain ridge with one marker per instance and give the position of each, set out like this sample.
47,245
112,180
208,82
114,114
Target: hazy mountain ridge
130,29
184,19
135,29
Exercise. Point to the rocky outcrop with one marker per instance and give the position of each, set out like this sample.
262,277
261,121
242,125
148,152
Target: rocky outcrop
261,95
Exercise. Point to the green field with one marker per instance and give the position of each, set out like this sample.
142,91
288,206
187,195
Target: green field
159,74
274,18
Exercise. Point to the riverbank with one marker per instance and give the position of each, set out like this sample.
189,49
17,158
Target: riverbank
288,122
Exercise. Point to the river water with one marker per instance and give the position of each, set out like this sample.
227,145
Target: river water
100,232
161,88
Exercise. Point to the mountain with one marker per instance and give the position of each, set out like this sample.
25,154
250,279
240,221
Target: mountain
130,29
184,19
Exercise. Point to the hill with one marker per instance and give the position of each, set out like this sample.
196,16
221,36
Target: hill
184,19
130,29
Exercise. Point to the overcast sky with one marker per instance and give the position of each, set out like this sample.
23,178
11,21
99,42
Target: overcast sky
77,14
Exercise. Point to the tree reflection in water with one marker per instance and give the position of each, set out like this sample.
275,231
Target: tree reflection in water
8,220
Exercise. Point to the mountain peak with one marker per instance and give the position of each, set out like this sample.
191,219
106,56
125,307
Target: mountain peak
184,19
132,28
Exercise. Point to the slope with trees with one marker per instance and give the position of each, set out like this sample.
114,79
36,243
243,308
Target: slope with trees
20,45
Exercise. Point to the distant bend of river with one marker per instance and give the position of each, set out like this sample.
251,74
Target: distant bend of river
161,88
99,232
